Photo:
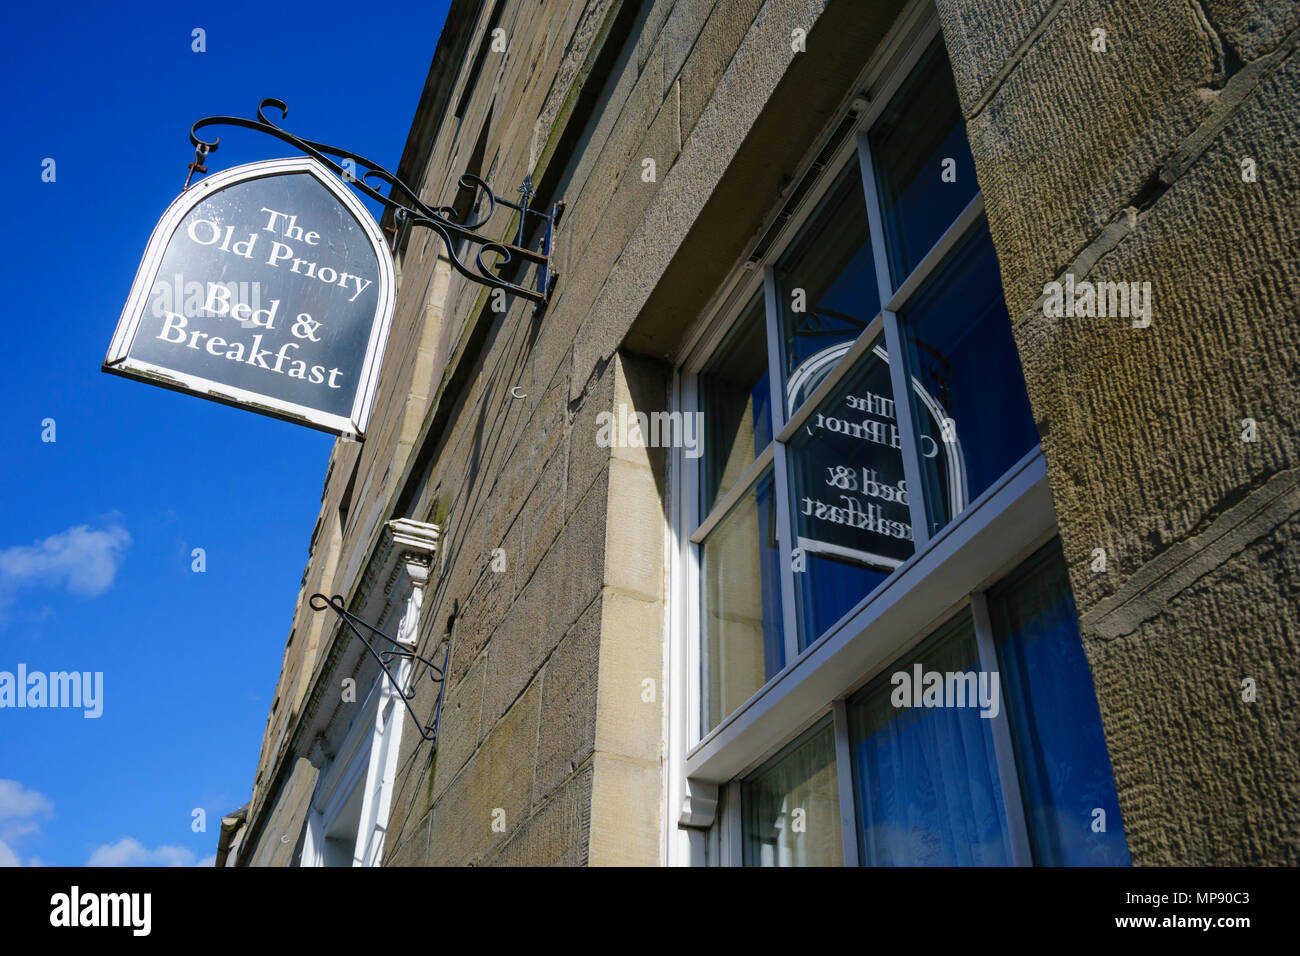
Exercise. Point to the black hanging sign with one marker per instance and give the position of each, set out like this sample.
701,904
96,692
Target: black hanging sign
268,287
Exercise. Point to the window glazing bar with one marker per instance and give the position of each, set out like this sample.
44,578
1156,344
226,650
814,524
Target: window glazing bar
785,523
732,836
784,519
744,484
899,376
1004,750
842,368
775,354
844,777
960,226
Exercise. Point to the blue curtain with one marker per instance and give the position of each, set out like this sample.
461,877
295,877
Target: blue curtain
926,778
1065,773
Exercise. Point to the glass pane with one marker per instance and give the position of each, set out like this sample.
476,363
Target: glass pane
791,806
969,404
923,765
826,288
743,645
921,192
1065,774
848,497
736,399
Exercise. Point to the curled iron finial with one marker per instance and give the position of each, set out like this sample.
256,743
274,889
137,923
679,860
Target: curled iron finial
280,105
377,183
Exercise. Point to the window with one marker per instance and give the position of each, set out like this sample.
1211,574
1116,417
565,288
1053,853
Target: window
340,842
792,806
860,430
852,523
740,608
348,818
827,290
968,397
870,464
919,133
929,779
736,394
926,778
1071,806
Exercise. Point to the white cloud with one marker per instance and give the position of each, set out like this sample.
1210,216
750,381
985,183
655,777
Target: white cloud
129,851
83,559
18,809
16,831
20,804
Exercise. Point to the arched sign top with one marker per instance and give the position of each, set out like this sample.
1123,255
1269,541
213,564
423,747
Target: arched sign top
267,286
852,499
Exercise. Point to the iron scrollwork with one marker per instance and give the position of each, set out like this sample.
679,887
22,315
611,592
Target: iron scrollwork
385,657
370,179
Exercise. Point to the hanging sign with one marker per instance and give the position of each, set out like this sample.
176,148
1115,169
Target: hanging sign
269,287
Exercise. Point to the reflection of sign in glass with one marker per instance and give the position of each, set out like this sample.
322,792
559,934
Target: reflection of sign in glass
850,489
267,286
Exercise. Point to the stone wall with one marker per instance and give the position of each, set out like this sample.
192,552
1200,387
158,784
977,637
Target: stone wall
554,708
1127,165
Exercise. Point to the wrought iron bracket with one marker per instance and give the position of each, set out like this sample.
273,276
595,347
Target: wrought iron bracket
385,657
370,179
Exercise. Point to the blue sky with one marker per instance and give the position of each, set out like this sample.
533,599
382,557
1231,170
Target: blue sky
97,527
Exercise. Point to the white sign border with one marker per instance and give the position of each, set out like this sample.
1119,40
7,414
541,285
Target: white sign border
119,362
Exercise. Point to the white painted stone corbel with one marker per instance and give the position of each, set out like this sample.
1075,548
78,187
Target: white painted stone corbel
412,535
416,543
699,805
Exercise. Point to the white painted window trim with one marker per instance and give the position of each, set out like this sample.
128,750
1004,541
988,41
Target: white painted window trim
370,751
339,779
368,758
844,775
386,741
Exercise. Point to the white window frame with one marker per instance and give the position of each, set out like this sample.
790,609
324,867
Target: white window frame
369,754
368,759
947,573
